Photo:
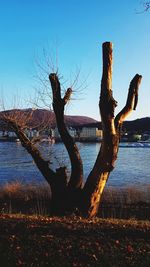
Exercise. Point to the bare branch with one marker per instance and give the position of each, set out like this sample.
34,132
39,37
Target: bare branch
55,84
145,8
67,96
132,100
42,164
76,179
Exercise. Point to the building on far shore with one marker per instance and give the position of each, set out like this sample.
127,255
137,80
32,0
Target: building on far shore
7,136
89,134
81,134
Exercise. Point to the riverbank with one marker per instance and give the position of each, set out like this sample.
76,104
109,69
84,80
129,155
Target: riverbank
73,242
33,199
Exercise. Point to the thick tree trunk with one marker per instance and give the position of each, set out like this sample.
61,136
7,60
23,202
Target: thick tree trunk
56,180
75,183
108,153
107,156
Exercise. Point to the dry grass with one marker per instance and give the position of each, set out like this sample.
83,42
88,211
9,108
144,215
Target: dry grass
17,189
128,195
25,198
35,199
130,202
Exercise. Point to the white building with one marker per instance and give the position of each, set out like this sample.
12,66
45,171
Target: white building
90,133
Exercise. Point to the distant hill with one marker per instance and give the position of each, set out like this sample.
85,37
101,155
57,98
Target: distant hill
42,116
139,125
142,125
39,114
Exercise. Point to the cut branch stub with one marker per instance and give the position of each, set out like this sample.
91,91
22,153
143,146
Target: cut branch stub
132,100
107,103
67,96
56,89
107,67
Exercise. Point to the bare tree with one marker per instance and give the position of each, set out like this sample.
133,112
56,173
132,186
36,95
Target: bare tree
69,192
145,7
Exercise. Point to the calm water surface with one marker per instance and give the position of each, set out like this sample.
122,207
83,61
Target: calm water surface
132,167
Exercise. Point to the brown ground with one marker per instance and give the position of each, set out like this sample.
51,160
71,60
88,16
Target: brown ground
73,242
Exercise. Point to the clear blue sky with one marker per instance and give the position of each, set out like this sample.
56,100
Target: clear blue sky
76,29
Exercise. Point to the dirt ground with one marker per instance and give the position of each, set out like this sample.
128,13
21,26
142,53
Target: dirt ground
73,242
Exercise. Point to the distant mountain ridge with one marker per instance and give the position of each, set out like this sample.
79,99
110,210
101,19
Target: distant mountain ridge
70,120
138,125
42,115
39,116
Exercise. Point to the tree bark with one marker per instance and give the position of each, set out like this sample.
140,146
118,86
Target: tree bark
76,179
132,100
107,156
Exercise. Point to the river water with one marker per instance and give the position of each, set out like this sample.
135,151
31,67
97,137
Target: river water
132,167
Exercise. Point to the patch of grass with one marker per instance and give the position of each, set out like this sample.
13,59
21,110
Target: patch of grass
131,202
17,197
17,189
